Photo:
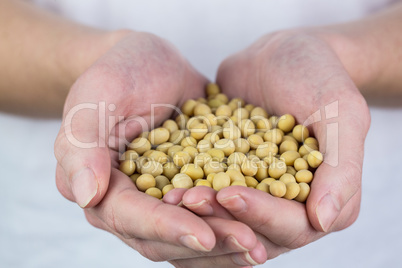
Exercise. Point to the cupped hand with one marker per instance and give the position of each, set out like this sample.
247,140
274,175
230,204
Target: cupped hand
298,73
130,89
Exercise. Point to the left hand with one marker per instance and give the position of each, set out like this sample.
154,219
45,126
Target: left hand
297,73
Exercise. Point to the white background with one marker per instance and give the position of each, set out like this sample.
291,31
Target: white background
39,228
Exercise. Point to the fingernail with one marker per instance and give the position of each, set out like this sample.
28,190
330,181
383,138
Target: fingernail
327,211
243,259
84,187
192,242
203,205
231,244
234,203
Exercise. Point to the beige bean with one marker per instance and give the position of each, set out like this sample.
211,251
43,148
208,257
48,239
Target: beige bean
145,181
182,180
221,180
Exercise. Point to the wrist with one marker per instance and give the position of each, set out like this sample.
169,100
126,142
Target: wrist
359,55
77,52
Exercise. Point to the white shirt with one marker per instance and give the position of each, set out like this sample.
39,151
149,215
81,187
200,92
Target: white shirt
39,228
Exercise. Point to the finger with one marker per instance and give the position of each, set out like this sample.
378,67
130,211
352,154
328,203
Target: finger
282,221
175,196
202,200
85,163
337,181
245,259
228,235
133,214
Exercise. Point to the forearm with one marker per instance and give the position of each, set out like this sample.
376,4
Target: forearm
371,51
41,56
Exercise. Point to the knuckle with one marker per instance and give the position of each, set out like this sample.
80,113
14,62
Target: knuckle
148,250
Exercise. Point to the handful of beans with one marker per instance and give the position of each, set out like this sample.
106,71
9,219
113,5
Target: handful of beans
217,142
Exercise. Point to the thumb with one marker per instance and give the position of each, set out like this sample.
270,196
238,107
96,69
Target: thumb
84,165
334,201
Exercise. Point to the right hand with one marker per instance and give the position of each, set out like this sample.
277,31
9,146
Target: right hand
140,70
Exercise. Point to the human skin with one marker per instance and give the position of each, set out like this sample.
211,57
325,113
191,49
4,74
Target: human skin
118,78
127,72
301,72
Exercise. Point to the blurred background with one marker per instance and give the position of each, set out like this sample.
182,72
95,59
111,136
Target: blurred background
39,228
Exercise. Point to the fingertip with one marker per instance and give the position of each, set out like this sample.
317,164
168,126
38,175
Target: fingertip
174,196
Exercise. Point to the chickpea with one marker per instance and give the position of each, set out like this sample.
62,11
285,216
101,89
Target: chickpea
212,89
277,188
216,154
188,107
300,133
182,180
268,180
292,190
262,171
161,181
249,107
291,170
193,171
227,146
164,147
235,175
266,149
311,140
286,178
304,175
304,192
221,180
300,164
192,151
254,140
231,132
181,158
277,169
247,127
236,158
262,187
286,122
199,131
314,159
290,157
241,113
145,181
188,141
167,188
273,135
202,109
201,159
249,168
213,167
152,167
158,157
258,112
214,103
251,181
140,145
134,177
273,120
238,183
263,125
170,125
129,155
174,149
241,145
159,135
204,183
203,146
155,192
127,167
177,136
